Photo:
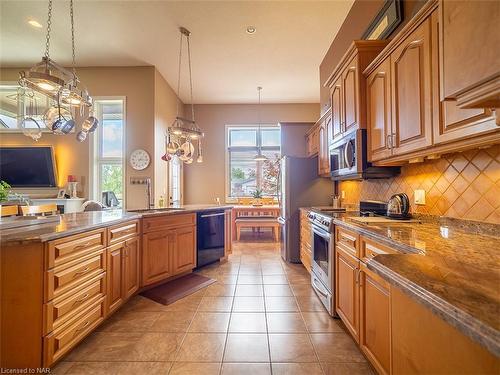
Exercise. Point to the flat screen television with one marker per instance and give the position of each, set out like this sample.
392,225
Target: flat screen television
28,167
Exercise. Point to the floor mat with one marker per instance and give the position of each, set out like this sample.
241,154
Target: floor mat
176,289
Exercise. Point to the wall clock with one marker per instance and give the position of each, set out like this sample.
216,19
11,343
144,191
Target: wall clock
139,159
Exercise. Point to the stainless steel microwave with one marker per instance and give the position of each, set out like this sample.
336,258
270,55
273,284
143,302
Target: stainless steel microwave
348,159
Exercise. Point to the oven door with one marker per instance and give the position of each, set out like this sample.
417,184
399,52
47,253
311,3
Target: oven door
322,254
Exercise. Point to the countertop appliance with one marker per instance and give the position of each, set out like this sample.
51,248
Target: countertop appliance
348,159
209,236
300,186
398,207
323,258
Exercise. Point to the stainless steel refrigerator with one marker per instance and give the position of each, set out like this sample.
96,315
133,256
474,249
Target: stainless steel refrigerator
300,186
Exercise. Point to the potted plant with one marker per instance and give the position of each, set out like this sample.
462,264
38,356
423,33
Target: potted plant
257,196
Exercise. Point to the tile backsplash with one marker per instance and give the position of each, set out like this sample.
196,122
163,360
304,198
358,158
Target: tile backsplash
462,185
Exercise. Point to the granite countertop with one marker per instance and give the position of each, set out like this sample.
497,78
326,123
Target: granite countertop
67,225
74,223
449,266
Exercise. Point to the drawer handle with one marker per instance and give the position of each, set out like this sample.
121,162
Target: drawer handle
86,269
81,299
82,327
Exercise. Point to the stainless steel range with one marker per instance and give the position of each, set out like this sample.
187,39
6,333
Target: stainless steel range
323,258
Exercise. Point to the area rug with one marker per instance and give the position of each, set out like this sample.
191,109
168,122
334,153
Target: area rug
176,289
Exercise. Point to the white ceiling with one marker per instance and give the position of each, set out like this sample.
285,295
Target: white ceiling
283,55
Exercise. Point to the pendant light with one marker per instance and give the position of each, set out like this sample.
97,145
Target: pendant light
61,85
259,156
183,131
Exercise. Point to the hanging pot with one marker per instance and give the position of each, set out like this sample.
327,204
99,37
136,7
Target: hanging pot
187,151
90,124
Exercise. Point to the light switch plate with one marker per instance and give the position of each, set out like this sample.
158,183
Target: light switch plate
419,197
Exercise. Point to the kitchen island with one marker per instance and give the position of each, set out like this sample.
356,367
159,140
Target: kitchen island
76,271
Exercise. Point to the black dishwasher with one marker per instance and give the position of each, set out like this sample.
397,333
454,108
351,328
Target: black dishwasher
210,236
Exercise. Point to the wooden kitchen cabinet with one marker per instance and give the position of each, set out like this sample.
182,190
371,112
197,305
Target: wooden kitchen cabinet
115,277
410,121
305,240
378,93
324,144
350,99
184,255
131,269
375,319
336,95
157,248
411,92
312,141
122,272
168,248
452,123
347,87
347,290
469,37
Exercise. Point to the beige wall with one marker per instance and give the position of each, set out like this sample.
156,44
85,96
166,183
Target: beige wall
137,85
206,181
165,110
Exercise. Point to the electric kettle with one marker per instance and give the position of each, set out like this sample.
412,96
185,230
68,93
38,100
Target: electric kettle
398,207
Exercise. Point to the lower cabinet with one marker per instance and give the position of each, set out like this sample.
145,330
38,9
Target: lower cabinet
168,252
305,240
157,248
375,319
122,272
347,290
184,256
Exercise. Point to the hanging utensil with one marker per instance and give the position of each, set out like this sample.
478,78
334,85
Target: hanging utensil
199,159
31,127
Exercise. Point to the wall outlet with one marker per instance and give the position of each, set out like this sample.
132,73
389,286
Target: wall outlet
342,194
419,197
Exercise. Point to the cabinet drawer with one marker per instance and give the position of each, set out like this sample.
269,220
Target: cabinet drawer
63,308
348,240
67,249
369,249
66,337
122,232
68,277
167,221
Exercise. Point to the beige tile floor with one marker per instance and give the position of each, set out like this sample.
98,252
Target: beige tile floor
260,317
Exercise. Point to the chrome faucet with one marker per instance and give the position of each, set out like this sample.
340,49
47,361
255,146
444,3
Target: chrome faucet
149,193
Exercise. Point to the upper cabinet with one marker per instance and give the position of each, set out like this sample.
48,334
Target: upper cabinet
411,92
347,87
312,142
469,38
325,128
406,117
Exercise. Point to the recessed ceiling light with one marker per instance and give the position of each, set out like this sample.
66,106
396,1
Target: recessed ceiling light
35,23
251,29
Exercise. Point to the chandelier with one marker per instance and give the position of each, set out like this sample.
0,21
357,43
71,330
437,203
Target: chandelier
181,134
71,104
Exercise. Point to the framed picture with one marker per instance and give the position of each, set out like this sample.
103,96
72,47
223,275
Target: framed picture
60,193
386,21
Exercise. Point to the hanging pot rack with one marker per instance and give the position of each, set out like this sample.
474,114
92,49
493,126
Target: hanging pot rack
183,129
61,85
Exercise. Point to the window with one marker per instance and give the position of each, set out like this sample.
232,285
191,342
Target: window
244,175
108,165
